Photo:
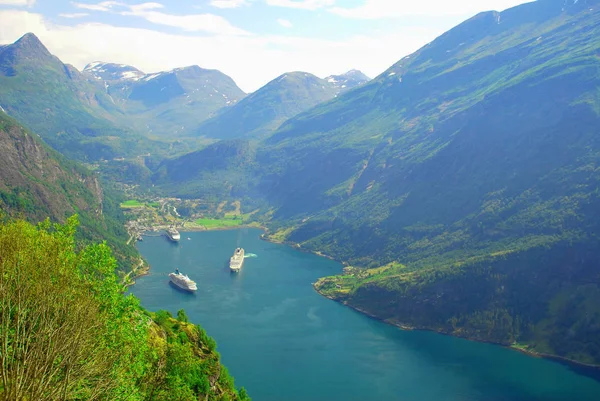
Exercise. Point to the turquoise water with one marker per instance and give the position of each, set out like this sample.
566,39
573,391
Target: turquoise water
283,341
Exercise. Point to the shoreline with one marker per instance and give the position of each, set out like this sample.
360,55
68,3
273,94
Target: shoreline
158,229
144,271
571,363
144,268
299,248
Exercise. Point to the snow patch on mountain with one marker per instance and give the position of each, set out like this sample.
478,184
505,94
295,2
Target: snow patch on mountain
152,76
348,80
113,72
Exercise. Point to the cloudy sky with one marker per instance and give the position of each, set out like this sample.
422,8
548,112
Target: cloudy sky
253,41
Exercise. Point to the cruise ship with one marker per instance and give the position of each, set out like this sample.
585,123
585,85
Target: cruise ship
182,281
237,260
173,234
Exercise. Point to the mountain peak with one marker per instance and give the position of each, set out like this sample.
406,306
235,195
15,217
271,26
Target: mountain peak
190,68
356,74
298,74
292,76
31,44
113,71
353,72
29,37
28,51
348,80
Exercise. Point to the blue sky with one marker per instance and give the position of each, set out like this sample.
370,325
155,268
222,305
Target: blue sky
253,41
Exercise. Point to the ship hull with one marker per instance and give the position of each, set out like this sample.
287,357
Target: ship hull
182,286
173,234
236,262
174,238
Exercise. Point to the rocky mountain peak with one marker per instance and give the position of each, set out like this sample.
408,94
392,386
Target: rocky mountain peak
113,71
348,80
29,46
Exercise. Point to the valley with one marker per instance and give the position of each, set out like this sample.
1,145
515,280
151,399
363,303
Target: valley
459,189
152,216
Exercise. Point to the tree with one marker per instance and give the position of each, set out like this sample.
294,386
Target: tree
59,313
67,332
182,316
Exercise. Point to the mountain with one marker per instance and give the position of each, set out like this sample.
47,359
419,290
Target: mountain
71,112
37,183
262,112
169,103
463,182
349,80
33,178
220,171
203,88
111,72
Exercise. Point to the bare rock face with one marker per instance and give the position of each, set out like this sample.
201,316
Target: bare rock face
39,182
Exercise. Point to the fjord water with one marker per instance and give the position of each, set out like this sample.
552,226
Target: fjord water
284,342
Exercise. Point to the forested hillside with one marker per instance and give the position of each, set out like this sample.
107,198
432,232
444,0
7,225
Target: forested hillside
67,331
219,171
37,182
474,163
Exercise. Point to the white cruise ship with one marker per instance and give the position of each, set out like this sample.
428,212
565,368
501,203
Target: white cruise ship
173,234
182,281
237,260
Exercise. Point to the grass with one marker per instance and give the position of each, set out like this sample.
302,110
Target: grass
281,235
133,203
342,285
218,223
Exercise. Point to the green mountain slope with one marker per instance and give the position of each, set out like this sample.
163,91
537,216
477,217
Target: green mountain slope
474,163
167,104
37,183
71,112
261,112
442,140
219,171
70,333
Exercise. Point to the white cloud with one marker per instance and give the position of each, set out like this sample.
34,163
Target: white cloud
28,3
251,61
284,23
74,15
228,3
377,9
145,7
192,23
302,4
103,6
